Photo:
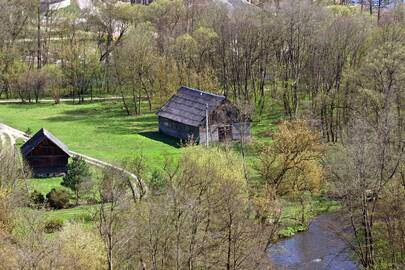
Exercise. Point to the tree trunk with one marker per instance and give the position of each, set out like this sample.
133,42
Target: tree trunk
39,60
228,258
125,103
77,197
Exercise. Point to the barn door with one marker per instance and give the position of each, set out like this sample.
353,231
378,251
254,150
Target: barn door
225,133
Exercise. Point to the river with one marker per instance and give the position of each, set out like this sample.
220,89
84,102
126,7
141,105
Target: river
319,248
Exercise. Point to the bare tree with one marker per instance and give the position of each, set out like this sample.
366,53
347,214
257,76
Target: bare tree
114,204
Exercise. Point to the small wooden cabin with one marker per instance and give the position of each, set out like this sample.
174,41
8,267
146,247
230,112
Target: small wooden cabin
184,117
46,155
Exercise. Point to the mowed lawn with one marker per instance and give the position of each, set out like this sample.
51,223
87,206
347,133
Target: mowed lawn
100,129
43,186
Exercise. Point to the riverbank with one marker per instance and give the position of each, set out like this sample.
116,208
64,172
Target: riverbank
291,214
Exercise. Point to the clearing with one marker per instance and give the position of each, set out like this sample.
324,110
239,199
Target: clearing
102,130
99,129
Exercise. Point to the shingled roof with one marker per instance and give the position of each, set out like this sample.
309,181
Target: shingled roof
41,135
189,105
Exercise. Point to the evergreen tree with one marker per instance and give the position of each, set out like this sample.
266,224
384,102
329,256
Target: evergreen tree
78,175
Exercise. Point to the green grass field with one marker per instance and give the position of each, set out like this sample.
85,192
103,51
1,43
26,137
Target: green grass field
45,185
100,129
82,213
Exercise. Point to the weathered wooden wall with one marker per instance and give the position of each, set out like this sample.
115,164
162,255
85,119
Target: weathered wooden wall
213,134
47,160
177,130
241,129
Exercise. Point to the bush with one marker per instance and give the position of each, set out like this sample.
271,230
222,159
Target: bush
28,131
157,181
58,199
78,177
37,198
291,231
91,201
80,247
53,225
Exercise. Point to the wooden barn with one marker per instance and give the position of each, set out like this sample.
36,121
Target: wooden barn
184,117
46,155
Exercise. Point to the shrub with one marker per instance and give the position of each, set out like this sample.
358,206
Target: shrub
28,131
53,225
291,231
37,198
78,177
80,247
58,199
157,181
91,201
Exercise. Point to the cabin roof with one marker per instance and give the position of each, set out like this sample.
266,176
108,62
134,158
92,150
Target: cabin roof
188,106
41,135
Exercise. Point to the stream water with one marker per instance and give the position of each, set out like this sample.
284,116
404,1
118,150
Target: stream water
319,248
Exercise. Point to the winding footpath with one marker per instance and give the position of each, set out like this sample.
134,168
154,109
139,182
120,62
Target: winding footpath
9,134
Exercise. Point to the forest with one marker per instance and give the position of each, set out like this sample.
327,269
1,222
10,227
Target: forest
322,83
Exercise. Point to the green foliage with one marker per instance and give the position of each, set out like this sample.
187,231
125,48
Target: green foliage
83,214
157,181
57,199
19,142
214,166
80,247
37,198
292,212
45,185
291,231
290,165
135,67
78,175
28,131
53,225
78,172
343,10
136,165
55,81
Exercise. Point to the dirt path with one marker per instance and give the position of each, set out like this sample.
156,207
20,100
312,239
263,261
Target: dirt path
13,134
3,140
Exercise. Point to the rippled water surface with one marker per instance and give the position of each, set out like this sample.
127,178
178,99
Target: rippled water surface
317,248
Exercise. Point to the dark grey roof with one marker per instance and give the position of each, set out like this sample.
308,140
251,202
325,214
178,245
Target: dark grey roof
51,1
35,140
188,106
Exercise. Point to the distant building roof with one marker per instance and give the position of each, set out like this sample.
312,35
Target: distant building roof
54,4
189,106
35,140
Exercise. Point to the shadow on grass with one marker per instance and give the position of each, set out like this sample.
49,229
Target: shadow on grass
19,105
108,118
157,136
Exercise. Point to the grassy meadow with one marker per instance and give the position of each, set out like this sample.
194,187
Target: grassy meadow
99,129
102,130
